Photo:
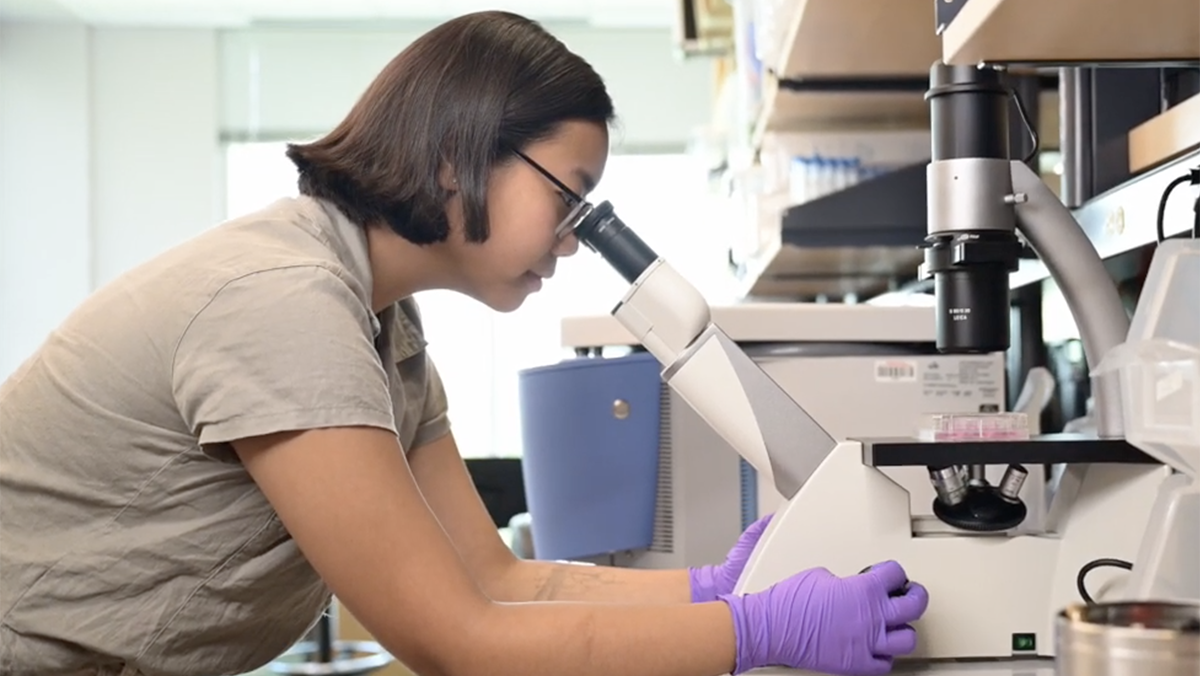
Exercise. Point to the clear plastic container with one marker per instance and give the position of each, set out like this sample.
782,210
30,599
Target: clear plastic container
854,170
1160,395
800,180
818,168
841,173
1159,363
1159,370
975,427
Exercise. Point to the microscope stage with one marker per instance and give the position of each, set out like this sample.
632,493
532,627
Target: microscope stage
1047,449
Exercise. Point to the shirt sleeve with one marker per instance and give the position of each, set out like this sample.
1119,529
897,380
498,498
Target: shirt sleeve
280,350
435,419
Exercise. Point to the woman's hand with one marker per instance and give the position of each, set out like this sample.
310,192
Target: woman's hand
814,620
710,582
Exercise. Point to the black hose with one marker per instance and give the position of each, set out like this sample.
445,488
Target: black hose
1088,567
1162,205
1196,220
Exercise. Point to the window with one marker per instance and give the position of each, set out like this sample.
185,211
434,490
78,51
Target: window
479,352
256,174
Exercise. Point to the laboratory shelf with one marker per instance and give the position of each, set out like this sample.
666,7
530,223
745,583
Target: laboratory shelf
859,38
789,272
851,64
1125,217
857,240
1072,31
889,210
1171,133
841,105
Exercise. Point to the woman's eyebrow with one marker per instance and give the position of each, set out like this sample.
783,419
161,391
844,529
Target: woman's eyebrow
589,183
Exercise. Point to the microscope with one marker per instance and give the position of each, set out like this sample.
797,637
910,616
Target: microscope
995,589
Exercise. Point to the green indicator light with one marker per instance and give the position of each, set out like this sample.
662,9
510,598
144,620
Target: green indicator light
1024,643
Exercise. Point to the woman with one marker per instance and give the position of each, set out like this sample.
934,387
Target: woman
217,440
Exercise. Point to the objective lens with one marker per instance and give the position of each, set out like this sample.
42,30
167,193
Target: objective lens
949,484
972,310
1014,478
970,279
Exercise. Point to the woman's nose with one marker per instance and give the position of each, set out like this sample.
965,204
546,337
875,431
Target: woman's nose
567,246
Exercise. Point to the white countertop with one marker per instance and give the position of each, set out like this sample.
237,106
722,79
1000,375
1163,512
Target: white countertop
779,322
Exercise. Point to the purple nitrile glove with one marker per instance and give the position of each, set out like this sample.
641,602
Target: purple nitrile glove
817,621
709,582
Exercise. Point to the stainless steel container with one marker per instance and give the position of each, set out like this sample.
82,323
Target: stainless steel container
1128,639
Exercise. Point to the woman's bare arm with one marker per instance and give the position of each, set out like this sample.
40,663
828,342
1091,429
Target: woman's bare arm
446,485
348,498
549,581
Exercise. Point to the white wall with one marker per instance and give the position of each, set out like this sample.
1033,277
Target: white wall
289,81
156,160
108,155
45,234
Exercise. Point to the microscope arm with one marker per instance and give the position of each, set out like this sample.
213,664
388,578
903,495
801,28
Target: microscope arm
702,365
978,201
1090,293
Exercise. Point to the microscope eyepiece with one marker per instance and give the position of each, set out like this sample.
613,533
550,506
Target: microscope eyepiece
602,232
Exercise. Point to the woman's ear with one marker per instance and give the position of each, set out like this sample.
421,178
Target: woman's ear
446,178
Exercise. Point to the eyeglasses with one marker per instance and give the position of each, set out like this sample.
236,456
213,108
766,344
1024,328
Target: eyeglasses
579,207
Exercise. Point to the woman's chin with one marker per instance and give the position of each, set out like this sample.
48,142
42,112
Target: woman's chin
509,297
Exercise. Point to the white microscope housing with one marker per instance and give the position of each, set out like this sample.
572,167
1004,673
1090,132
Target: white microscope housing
1128,493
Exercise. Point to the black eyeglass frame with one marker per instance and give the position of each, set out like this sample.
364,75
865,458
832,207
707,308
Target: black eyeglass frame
580,207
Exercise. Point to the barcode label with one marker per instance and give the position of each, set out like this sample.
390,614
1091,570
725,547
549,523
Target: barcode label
895,371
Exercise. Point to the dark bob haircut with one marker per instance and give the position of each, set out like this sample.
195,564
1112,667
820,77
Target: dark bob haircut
469,92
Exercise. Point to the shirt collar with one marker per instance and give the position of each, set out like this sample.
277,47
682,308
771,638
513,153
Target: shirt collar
399,324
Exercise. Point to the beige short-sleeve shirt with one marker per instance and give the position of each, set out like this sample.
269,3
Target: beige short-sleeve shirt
131,539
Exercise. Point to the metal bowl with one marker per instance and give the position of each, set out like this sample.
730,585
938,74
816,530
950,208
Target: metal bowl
1128,639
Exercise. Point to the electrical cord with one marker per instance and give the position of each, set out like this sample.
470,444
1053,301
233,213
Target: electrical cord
1081,579
1029,128
1192,178
1196,219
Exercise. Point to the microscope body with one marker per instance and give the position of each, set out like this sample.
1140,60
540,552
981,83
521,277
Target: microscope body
994,590
993,596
